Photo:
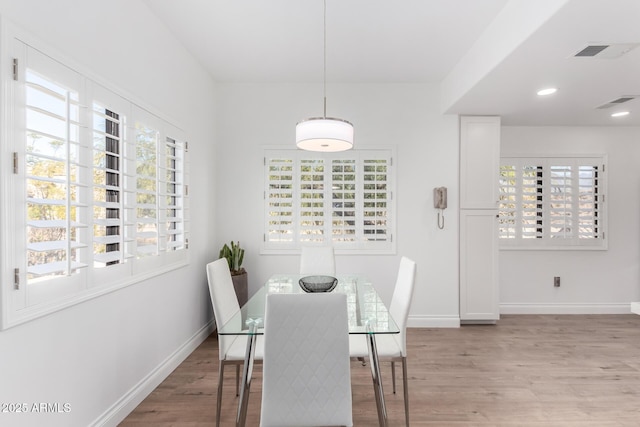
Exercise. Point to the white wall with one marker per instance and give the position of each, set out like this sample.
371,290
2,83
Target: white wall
94,355
406,116
591,281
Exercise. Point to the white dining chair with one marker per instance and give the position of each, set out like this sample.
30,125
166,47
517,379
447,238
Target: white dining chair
231,348
306,373
393,347
317,260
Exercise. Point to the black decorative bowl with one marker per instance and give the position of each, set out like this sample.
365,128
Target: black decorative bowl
318,283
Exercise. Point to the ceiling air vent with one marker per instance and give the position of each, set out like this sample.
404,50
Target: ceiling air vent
605,50
617,101
591,50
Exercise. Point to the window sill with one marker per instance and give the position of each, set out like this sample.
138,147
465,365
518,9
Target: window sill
553,248
18,317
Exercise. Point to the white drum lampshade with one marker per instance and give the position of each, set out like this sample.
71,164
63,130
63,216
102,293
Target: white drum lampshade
324,134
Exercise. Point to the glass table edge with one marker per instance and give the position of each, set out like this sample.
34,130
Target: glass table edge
253,310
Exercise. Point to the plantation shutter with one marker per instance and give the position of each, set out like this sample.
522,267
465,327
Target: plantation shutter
589,201
174,197
551,202
508,202
83,189
53,191
311,202
561,202
376,200
343,198
279,226
532,206
338,199
146,175
109,230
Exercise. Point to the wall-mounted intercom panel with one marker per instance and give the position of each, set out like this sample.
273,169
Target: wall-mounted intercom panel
440,197
440,202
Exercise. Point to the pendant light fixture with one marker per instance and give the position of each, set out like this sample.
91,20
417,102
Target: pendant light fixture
324,133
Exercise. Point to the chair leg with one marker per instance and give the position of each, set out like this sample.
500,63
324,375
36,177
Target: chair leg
393,375
406,389
219,399
237,379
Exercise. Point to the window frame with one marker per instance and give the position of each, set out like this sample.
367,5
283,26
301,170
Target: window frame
359,247
21,301
544,163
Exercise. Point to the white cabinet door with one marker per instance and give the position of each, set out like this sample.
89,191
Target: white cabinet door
479,161
479,293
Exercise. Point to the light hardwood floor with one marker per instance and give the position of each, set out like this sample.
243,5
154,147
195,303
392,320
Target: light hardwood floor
547,370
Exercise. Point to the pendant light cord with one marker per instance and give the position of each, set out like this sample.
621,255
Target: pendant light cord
324,71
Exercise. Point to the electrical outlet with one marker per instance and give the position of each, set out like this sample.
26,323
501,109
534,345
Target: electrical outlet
556,282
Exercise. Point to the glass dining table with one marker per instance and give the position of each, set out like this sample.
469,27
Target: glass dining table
368,316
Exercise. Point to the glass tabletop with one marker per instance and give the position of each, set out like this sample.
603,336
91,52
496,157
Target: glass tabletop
367,312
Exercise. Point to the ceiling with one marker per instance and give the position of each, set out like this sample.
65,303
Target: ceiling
428,41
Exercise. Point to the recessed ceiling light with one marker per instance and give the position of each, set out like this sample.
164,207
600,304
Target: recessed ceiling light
548,91
620,114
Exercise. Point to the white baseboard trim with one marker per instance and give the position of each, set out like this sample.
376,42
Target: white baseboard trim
635,307
422,321
128,402
508,308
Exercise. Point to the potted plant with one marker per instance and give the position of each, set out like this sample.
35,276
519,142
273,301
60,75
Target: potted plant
234,256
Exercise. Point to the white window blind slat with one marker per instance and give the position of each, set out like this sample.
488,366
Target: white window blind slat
54,268
110,258
55,245
56,94
104,240
54,223
102,223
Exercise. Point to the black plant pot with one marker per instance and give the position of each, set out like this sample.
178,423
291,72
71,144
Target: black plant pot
240,283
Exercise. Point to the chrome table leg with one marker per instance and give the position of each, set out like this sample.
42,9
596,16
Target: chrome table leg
247,371
377,381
